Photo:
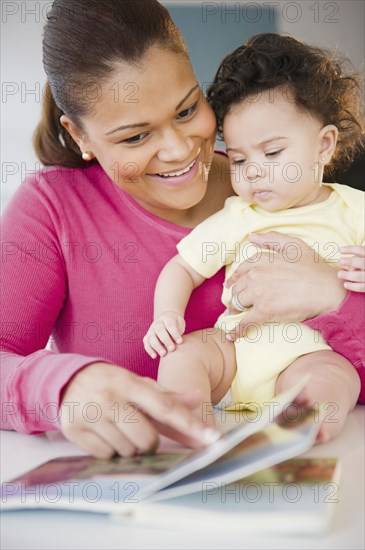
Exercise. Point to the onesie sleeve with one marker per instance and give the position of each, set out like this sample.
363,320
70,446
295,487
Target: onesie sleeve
34,288
215,242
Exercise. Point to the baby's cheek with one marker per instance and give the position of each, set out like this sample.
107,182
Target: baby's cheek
238,181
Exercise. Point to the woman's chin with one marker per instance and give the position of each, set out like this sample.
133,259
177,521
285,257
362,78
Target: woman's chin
192,197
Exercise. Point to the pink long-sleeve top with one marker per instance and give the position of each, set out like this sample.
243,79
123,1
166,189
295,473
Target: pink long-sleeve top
80,259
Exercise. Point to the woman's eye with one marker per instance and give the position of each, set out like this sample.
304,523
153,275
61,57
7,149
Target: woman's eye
134,139
187,112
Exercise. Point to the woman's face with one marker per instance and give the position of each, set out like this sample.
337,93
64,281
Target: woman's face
153,132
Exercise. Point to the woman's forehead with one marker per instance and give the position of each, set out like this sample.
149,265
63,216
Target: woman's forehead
153,70
158,83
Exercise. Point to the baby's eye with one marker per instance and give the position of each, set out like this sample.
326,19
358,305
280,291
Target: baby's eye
239,161
134,139
273,153
187,112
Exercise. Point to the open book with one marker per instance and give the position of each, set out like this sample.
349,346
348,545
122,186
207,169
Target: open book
296,497
124,485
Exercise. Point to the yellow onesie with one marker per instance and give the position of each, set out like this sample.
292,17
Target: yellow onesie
222,240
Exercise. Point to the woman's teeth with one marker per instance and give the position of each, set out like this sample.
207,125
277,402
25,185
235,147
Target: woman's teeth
180,173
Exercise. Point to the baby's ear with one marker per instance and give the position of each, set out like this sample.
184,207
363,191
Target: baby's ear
327,142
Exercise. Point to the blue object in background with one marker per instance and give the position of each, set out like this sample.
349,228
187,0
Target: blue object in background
213,29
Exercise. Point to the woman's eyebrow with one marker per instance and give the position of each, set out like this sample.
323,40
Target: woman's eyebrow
143,124
137,125
186,97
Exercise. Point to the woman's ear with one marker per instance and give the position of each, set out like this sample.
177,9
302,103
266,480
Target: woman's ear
75,132
327,142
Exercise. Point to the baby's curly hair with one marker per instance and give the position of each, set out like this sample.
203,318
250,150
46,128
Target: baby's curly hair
326,86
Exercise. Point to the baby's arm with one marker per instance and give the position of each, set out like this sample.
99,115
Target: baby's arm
173,289
353,268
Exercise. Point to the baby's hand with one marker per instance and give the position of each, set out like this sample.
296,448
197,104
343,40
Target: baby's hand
353,268
164,332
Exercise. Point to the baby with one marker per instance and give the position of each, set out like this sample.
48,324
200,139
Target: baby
287,112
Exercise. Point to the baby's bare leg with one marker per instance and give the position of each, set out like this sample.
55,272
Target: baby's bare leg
334,383
204,361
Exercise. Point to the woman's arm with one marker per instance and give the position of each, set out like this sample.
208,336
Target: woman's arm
344,331
282,285
34,288
306,290
174,286
36,381
132,410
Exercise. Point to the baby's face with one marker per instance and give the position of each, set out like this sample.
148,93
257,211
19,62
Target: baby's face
273,148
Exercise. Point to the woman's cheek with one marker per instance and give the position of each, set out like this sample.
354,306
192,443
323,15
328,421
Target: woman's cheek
207,122
125,171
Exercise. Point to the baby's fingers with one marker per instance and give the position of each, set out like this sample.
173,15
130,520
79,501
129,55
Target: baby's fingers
175,330
153,344
165,338
148,348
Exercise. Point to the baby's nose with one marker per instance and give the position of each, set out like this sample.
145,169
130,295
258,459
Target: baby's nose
253,171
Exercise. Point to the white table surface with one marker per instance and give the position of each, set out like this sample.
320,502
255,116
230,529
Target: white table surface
52,529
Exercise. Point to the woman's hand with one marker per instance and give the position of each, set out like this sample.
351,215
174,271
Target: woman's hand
287,282
353,268
107,409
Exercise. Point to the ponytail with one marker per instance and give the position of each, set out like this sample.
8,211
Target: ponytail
51,141
83,42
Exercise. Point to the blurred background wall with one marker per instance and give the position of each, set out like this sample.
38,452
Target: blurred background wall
211,29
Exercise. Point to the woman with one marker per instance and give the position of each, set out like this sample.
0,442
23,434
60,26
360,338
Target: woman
127,140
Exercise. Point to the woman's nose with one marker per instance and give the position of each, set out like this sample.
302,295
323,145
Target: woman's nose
175,146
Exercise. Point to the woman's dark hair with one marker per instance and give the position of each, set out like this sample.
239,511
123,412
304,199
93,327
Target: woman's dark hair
82,43
322,84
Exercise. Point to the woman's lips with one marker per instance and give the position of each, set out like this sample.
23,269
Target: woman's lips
181,179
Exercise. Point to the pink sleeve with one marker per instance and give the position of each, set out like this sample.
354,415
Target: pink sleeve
34,288
344,331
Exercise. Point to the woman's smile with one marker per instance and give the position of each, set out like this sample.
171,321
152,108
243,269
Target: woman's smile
162,146
178,176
